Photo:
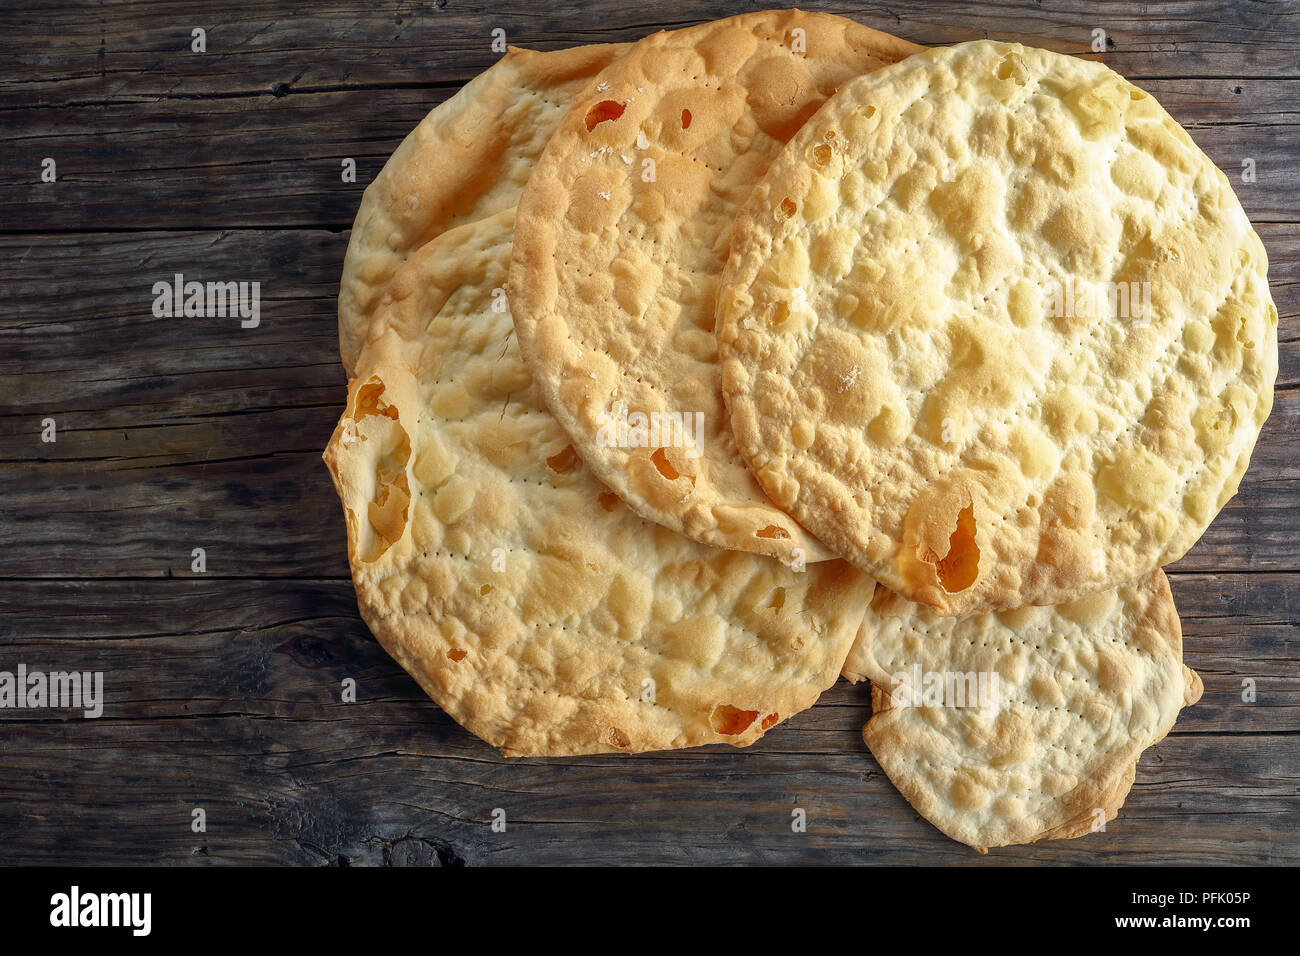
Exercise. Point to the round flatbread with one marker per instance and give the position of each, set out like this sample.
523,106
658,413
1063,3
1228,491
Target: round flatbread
469,158
1024,725
995,329
527,600
622,235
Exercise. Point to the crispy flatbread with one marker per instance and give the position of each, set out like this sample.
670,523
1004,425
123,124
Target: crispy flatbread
996,330
1023,725
527,600
469,158
622,235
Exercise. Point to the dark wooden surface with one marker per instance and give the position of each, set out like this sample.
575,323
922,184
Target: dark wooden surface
223,688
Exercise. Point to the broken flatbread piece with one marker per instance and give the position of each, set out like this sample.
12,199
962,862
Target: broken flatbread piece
1011,727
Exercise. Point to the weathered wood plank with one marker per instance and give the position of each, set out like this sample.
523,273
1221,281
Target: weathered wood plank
201,434
55,319
239,713
85,51
294,792
271,516
279,648
275,513
276,161
223,689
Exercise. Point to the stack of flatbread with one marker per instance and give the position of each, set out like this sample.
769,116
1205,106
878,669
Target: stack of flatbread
686,375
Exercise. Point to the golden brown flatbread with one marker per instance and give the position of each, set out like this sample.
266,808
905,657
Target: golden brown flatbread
622,235
527,600
468,159
1023,725
995,329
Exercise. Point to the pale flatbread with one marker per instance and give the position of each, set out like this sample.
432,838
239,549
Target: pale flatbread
526,599
623,233
469,158
920,351
1024,725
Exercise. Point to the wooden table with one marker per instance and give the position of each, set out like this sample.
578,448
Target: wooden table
223,688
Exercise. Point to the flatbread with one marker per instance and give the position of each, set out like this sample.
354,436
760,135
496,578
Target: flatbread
621,241
1048,747
533,606
921,355
469,158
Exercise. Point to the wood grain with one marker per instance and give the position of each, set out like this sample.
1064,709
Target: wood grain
82,50
239,713
223,689
276,161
